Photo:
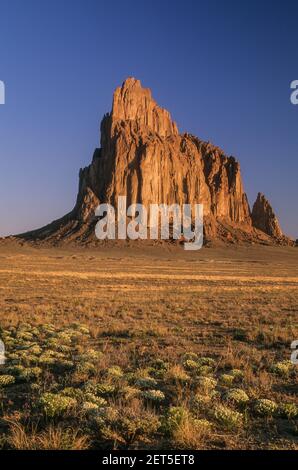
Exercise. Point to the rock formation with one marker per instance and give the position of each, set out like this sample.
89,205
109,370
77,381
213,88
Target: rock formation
143,156
263,217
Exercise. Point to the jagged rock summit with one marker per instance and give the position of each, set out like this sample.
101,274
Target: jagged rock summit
143,156
131,102
264,218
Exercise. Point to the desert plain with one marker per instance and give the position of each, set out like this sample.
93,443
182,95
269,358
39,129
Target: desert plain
153,347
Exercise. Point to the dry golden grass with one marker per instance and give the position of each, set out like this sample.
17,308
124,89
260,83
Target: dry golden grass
190,436
238,305
53,438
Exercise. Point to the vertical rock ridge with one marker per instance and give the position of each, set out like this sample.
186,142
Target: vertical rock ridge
132,102
263,217
143,156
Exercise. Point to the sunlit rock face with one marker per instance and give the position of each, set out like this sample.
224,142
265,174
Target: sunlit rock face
143,156
264,218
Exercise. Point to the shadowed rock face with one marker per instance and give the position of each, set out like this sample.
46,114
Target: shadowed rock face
264,218
143,156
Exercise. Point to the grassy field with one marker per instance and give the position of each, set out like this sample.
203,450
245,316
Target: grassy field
150,348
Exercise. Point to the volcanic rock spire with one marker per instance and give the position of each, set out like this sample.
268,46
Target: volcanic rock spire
132,102
263,217
143,157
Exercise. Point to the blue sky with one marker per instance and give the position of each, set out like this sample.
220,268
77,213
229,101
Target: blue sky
222,68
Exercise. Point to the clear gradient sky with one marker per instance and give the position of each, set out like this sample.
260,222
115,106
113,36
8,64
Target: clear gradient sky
222,68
